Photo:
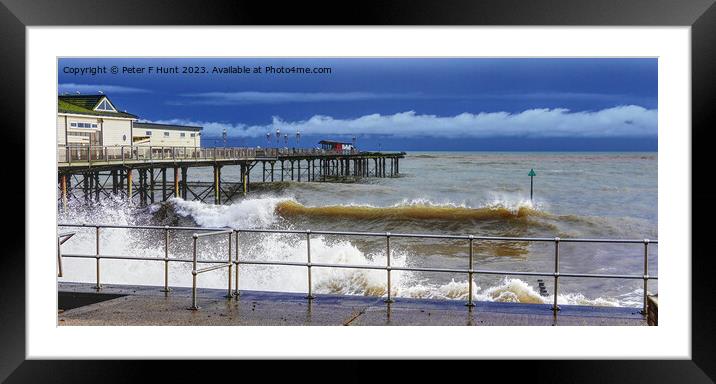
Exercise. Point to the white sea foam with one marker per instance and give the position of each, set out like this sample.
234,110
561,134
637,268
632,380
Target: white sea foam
248,213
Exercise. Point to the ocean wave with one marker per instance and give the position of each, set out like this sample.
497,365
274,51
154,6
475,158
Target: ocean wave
410,211
247,213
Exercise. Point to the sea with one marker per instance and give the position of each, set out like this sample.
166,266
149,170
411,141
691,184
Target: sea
575,195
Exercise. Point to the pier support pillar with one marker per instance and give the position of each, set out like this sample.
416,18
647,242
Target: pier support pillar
164,184
272,165
217,184
96,186
63,186
176,182
85,186
183,182
248,178
151,185
324,169
142,187
129,184
114,181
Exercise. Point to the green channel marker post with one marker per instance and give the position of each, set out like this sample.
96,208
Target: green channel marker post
532,175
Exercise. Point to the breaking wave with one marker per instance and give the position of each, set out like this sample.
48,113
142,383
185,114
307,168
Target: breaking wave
418,210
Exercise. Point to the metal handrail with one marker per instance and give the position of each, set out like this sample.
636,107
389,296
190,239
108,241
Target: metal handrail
195,272
69,154
470,271
62,237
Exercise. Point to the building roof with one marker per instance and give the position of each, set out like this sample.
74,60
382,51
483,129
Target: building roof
85,104
333,142
167,126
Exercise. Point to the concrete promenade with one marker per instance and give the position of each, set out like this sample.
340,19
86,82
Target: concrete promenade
144,305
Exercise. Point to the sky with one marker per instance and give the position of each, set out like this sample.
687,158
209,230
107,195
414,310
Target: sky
411,104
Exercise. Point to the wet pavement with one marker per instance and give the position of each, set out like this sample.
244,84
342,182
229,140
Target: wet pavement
144,305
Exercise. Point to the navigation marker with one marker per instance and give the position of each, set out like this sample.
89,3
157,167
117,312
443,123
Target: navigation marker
532,175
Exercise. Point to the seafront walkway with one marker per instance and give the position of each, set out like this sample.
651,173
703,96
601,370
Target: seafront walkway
81,304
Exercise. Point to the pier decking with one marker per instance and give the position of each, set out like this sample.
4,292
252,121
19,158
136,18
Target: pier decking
141,172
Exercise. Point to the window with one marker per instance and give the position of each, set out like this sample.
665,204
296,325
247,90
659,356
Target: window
148,133
182,134
166,134
193,134
105,106
91,138
83,125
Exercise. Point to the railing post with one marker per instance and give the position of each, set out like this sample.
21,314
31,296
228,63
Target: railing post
98,286
387,257
308,256
646,277
236,289
193,307
555,307
469,276
228,293
59,257
166,259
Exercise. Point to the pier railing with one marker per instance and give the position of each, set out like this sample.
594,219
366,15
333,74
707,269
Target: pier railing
120,153
470,270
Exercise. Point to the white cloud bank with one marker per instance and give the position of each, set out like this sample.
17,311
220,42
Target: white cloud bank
619,121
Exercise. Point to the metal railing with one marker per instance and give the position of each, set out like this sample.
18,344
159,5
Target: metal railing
87,153
61,239
195,272
470,271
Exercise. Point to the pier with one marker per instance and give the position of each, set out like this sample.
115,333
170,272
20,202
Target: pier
147,174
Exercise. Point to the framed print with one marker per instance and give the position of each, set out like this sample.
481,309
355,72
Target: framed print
473,177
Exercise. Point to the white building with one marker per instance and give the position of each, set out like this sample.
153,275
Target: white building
166,135
94,120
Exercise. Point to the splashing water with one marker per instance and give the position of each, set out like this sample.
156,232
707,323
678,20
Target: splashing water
267,212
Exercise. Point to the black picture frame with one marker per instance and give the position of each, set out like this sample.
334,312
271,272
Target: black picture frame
700,15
